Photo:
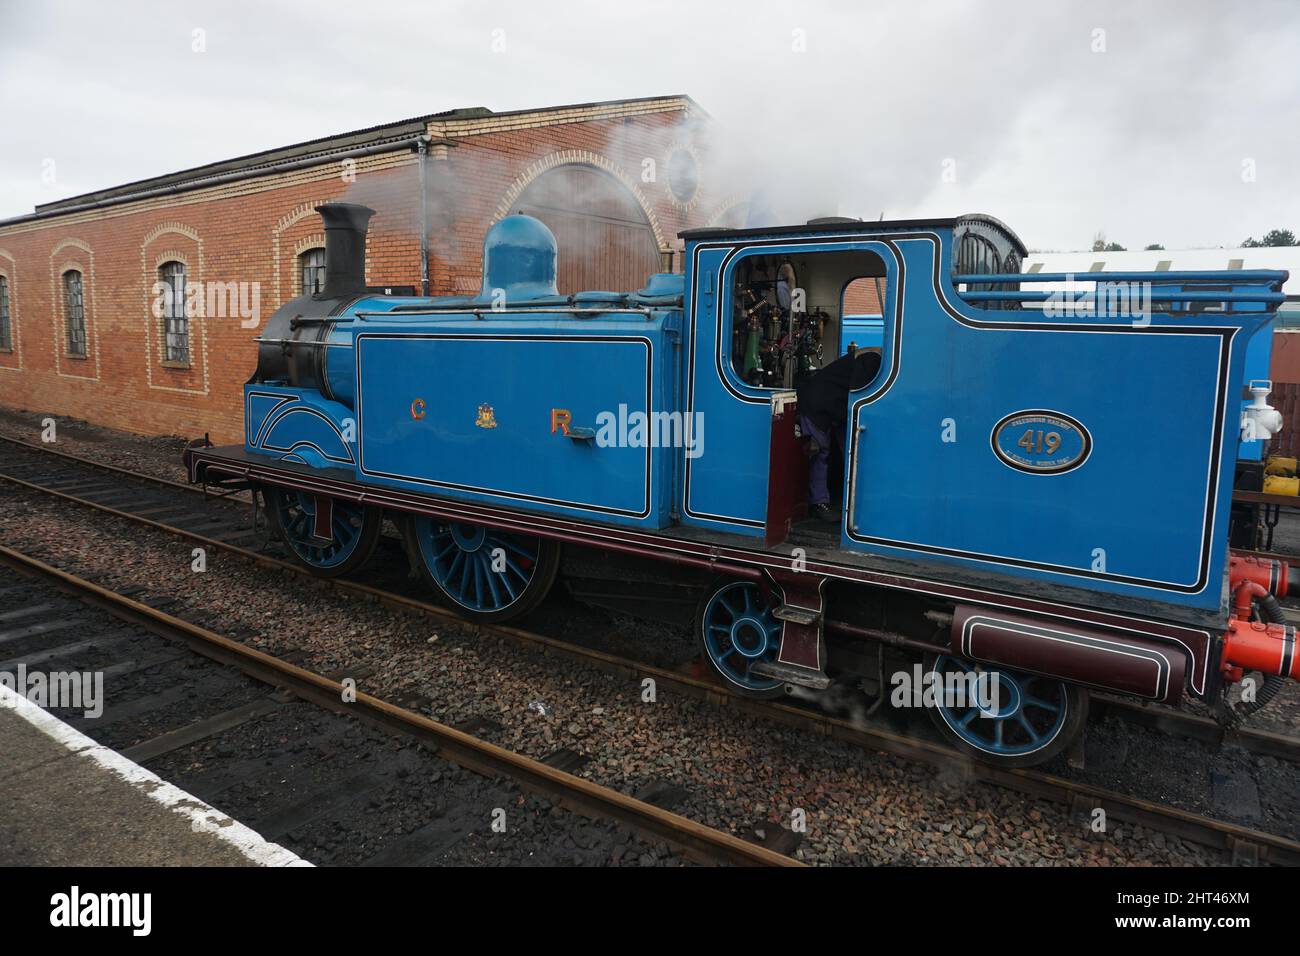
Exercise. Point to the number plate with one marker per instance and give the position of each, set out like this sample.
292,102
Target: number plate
1041,442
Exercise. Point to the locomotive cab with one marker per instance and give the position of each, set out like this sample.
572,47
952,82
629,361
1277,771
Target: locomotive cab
998,432
780,316
784,317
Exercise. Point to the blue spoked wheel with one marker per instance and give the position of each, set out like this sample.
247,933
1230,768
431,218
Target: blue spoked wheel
737,630
354,531
487,574
1007,717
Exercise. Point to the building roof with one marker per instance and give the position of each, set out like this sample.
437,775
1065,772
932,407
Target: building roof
397,133
401,130
1170,260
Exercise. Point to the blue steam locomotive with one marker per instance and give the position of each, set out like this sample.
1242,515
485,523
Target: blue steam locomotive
985,466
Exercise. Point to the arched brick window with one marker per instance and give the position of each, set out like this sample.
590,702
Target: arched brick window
312,265
604,236
74,312
176,325
6,329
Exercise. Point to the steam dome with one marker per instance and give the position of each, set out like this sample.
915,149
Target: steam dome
519,257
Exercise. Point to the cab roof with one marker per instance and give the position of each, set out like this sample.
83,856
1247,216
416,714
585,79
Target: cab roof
841,225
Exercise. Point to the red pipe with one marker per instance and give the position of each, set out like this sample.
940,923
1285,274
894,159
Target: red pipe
1269,573
1259,646
1243,598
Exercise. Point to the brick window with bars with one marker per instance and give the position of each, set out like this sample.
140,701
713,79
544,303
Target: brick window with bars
313,271
176,325
74,313
6,327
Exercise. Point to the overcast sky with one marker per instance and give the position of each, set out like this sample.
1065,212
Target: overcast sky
1170,122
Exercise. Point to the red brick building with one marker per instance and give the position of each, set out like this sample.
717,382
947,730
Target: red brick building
81,329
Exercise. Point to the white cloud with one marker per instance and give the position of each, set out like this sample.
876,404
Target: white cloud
1144,141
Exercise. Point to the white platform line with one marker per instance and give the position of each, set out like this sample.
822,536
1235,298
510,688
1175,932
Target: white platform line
202,817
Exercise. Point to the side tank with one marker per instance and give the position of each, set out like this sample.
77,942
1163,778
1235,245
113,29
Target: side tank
517,395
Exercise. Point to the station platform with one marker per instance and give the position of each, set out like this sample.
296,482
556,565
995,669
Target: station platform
67,801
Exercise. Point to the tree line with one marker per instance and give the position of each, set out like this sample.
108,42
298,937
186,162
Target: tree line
1274,237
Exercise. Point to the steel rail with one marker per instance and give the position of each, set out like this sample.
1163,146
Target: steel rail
1200,829
589,799
1166,720
105,466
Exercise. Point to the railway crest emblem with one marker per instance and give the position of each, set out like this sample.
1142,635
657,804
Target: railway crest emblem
486,417
1041,442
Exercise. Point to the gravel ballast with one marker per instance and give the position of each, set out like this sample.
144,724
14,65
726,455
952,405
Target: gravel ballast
732,771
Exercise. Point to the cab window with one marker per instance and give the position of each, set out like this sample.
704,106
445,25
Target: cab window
788,312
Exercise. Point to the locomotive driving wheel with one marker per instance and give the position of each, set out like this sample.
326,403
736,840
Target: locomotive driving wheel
342,541
485,573
1004,717
736,630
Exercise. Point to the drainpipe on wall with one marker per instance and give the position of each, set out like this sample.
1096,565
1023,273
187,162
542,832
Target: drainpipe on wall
422,151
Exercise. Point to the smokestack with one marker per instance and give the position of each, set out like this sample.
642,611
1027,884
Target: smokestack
345,248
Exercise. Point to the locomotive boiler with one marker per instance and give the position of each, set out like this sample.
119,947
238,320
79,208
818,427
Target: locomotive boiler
976,482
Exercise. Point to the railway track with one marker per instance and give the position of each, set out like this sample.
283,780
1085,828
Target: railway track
175,705
1243,844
